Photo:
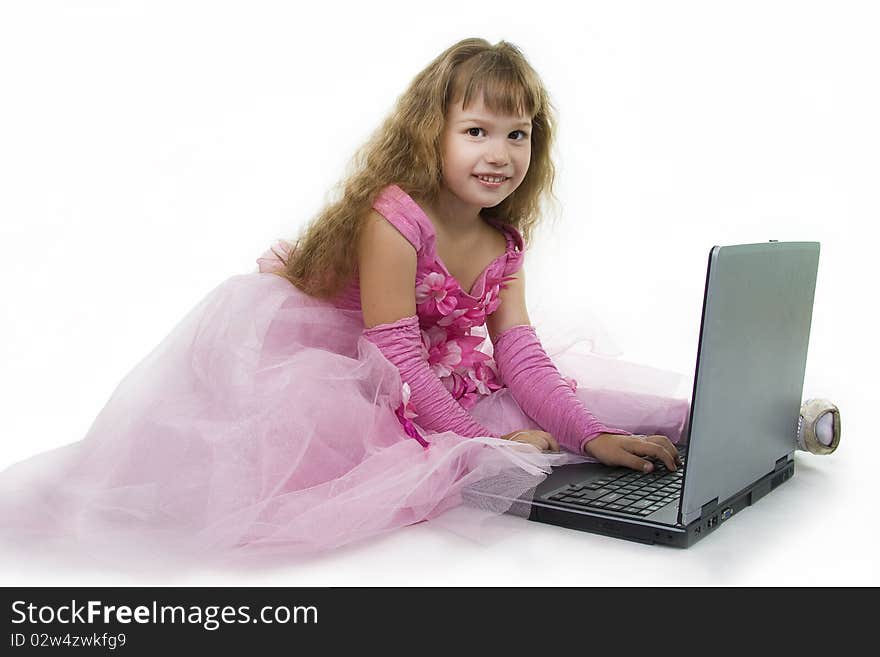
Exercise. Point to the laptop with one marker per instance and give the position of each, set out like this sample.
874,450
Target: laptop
739,441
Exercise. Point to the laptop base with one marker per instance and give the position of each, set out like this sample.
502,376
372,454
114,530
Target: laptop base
643,531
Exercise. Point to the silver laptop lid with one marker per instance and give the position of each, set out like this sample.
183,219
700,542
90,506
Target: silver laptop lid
757,311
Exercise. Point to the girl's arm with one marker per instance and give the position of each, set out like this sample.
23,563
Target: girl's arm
512,311
387,270
548,399
536,384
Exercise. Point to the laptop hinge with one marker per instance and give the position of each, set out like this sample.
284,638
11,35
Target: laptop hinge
708,508
780,463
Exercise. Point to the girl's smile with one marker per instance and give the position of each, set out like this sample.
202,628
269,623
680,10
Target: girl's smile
490,182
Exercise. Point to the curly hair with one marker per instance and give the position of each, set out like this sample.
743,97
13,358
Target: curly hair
405,150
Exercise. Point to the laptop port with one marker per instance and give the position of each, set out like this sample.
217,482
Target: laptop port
726,513
712,522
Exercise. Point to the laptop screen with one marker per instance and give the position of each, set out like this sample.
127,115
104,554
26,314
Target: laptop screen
751,358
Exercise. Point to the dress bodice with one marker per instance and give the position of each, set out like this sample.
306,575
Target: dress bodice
452,320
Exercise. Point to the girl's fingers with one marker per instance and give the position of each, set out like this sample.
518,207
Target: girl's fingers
544,442
648,448
630,460
666,444
539,439
532,439
540,442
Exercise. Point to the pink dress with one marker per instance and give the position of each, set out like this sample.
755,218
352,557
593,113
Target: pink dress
265,423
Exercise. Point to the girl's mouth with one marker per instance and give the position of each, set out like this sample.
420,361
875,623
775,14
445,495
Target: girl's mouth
490,182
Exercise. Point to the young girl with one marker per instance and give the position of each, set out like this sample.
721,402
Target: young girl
348,388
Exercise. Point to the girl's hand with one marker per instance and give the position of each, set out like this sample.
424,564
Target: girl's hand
612,449
540,439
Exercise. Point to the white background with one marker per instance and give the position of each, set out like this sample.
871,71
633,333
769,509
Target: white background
149,150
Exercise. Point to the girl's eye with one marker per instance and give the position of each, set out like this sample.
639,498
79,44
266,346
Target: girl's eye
523,135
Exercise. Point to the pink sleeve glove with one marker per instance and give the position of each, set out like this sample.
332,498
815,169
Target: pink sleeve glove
401,343
542,393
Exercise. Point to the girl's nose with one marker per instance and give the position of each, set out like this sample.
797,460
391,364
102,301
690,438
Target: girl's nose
498,155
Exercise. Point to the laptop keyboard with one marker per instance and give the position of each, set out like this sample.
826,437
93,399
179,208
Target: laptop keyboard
627,491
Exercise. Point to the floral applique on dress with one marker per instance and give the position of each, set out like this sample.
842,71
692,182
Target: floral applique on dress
446,316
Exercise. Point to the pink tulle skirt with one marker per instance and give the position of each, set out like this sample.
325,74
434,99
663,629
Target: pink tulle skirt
264,424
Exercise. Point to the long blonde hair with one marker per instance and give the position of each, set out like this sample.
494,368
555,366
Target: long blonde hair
405,151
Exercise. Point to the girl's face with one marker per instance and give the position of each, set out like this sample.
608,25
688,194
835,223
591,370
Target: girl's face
477,144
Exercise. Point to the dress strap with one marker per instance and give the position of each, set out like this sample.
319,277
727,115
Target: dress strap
397,207
513,236
515,246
